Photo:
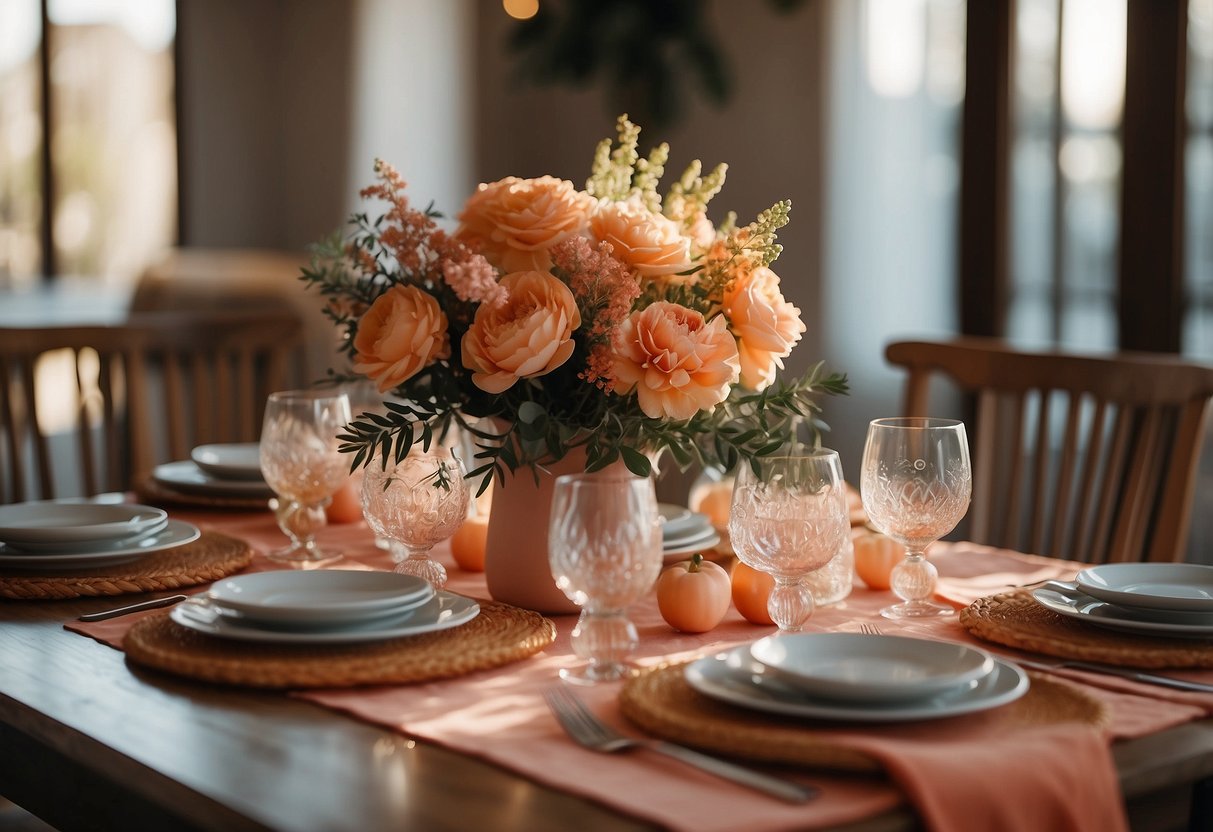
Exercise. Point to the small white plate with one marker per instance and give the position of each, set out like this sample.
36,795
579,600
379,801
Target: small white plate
685,523
75,547
320,595
185,476
678,553
443,611
672,513
54,521
176,533
688,538
1137,620
238,461
1160,586
735,677
871,668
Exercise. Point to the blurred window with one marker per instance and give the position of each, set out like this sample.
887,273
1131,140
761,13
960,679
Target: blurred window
88,170
1065,163
1198,182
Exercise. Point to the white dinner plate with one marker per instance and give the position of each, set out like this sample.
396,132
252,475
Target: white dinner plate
683,523
688,538
1163,586
675,554
237,461
871,668
320,595
1138,620
735,677
441,612
176,533
672,513
54,521
186,477
75,547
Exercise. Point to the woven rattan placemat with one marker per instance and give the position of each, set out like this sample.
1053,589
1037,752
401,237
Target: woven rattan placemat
210,557
500,634
662,703
151,492
1016,620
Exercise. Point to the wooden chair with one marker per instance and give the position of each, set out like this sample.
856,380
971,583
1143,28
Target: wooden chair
1082,457
101,405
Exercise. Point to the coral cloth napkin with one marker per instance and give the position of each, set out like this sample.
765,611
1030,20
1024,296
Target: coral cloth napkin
960,773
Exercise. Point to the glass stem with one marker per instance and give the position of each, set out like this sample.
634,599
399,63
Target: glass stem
417,562
604,638
913,580
790,604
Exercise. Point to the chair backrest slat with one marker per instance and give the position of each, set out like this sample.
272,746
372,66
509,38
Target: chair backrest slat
158,392
1079,456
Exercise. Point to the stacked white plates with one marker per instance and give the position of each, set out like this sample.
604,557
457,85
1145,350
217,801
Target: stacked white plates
72,534
226,470
858,678
323,606
1161,599
684,532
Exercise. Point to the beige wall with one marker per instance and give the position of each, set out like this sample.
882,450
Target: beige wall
265,120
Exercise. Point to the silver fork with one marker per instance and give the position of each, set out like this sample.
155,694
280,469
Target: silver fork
869,629
590,732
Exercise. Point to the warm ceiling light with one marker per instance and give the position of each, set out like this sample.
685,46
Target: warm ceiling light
520,9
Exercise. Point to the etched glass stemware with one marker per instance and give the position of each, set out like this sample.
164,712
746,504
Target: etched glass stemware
604,546
788,520
416,503
916,483
301,462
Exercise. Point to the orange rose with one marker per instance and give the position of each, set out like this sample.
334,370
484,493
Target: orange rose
403,332
766,325
678,363
651,244
515,221
528,335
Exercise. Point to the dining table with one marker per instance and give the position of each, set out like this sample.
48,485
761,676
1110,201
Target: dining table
92,740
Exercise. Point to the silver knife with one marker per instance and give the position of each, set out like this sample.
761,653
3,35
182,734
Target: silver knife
142,605
1124,672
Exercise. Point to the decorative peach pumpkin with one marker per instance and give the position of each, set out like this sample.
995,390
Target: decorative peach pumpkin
468,543
751,589
693,596
875,556
346,505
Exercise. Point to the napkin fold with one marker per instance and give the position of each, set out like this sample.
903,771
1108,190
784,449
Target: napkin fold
1059,777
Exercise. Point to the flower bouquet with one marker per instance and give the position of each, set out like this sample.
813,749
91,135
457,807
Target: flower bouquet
611,320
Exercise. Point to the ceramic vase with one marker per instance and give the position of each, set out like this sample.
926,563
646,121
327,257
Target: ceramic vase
516,566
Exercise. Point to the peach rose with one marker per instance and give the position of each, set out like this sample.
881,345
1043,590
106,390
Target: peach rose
402,333
651,244
515,221
678,363
766,325
528,335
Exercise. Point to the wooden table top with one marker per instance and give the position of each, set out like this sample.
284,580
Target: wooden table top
89,742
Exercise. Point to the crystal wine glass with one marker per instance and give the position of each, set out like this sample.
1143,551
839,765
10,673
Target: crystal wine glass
604,546
916,483
301,462
788,520
416,503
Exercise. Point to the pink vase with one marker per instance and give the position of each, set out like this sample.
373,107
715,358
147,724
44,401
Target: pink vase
516,551
516,566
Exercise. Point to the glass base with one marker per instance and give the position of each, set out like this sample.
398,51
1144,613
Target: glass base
593,674
917,609
303,557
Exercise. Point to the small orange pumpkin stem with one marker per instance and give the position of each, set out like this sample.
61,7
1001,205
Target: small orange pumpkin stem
696,559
